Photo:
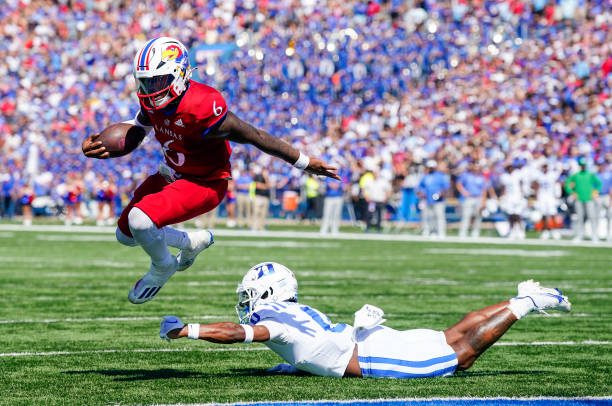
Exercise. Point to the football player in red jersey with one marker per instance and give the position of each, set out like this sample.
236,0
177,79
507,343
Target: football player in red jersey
192,123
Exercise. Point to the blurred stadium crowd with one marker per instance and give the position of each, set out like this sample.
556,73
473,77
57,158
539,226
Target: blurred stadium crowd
430,108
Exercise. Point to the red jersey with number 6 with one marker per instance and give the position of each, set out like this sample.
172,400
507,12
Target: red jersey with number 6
183,133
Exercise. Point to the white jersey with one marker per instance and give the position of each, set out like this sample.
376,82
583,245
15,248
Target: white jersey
547,185
305,338
512,183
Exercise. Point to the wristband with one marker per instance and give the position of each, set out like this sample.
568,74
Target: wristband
193,331
302,162
248,333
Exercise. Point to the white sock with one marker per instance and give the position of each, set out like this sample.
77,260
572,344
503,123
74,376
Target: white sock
150,238
176,238
521,306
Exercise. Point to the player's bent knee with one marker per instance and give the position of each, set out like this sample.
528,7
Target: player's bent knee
124,239
138,220
466,355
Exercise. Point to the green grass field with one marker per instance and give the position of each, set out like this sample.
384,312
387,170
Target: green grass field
68,335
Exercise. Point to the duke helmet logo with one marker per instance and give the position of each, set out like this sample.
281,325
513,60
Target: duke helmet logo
265,269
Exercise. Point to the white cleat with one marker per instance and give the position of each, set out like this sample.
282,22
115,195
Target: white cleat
543,298
200,240
149,285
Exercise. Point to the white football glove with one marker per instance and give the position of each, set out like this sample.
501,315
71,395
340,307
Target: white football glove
368,316
168,324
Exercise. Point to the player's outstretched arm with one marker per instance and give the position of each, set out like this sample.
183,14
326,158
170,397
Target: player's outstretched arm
242,132
223,333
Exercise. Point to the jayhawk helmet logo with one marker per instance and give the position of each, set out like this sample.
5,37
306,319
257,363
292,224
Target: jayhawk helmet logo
171,53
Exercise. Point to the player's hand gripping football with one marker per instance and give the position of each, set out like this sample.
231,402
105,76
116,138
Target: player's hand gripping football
318,167
93,148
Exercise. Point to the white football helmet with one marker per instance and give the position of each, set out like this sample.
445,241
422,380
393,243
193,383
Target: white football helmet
264,283
162,71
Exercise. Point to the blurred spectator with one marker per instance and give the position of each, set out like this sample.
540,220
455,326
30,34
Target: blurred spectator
230,204
207,220
332,206
261,204
432,191
26,198
105,197
377,193
606,196
311,190
513,201
583,188
410,181
361,204
244,201
7,194
472,187
548,191
73,197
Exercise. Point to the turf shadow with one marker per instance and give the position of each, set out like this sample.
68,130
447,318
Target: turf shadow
472,374
126,375
261,372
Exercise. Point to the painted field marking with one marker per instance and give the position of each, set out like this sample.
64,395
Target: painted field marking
76,238
149,350
313,235
104,319
119,351
230,243
61,261
497,252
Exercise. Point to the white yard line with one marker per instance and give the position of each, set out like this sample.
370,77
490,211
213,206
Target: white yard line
104,319
497,252
227,349
230,243
317,236
133,350
552,343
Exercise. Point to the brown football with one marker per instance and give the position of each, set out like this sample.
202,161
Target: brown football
121,138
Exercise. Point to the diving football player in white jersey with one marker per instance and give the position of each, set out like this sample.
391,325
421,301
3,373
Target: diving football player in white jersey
305,338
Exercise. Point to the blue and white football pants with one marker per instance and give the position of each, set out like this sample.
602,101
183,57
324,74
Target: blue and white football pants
420,353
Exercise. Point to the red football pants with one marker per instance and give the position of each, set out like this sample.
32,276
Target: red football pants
170,203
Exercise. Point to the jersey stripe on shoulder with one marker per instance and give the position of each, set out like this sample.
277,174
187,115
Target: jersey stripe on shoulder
215,125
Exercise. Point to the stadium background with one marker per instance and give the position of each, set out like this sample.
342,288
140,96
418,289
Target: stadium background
384,86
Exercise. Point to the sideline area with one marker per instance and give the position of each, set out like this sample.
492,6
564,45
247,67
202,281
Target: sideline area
318,236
